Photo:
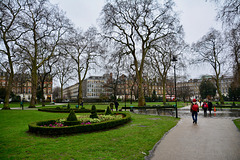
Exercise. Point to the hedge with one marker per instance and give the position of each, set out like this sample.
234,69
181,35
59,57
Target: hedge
63,110
38,127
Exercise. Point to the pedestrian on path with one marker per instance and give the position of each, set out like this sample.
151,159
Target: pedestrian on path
205,108
194,109
116,105
210,107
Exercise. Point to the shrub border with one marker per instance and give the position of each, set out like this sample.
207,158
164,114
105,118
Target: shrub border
68,110
35,128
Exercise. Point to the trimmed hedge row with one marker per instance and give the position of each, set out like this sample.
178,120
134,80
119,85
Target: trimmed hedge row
35,127
60,110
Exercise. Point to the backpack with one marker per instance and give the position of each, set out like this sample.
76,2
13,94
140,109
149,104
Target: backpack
195,107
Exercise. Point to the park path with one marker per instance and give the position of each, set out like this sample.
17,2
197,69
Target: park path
210,139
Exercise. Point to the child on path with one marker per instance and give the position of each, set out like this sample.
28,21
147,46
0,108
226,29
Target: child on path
194,109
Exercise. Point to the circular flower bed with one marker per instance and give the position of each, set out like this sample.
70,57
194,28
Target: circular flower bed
83,124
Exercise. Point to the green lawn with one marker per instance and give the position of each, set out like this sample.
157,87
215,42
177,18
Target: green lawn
130,141
237,123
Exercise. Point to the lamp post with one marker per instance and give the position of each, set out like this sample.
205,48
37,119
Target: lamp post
174,59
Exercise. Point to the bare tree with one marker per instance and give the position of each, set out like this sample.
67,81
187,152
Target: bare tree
184,92
64,72
229,15
161,56
83,48
46,74
44,25
211,50
116,64
56,92
229,12
233,39
138,25
9,33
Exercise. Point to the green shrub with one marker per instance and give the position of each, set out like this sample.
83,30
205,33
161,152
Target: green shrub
82,107
93,112
111,105
233,104
72,116
108,111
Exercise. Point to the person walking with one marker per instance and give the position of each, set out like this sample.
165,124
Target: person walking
194,109
210,107
116,105
205,107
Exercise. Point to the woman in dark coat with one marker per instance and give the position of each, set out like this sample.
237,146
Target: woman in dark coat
210,106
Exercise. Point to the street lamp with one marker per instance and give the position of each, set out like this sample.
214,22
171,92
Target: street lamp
174,59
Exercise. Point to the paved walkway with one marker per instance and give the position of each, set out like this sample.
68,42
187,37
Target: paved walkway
210,139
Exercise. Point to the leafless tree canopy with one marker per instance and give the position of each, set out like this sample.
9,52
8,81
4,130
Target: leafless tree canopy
83,48
211,50
139,25
230,12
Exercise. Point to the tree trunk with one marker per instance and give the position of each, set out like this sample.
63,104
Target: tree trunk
164,90
9,89
34,87
10,80
61,92
141,99
219,91
43,98
80,98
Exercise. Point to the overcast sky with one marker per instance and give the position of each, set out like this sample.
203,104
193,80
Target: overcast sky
197,17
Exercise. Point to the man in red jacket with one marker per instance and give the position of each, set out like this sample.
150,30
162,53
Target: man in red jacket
194,110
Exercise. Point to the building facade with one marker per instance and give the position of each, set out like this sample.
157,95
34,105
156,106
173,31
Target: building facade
127,87
22,86
71,92
93,87
194,85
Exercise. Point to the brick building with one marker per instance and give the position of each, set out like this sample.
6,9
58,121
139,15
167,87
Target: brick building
22,86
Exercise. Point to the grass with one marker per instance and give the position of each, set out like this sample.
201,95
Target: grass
26,104
237,123
129,141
